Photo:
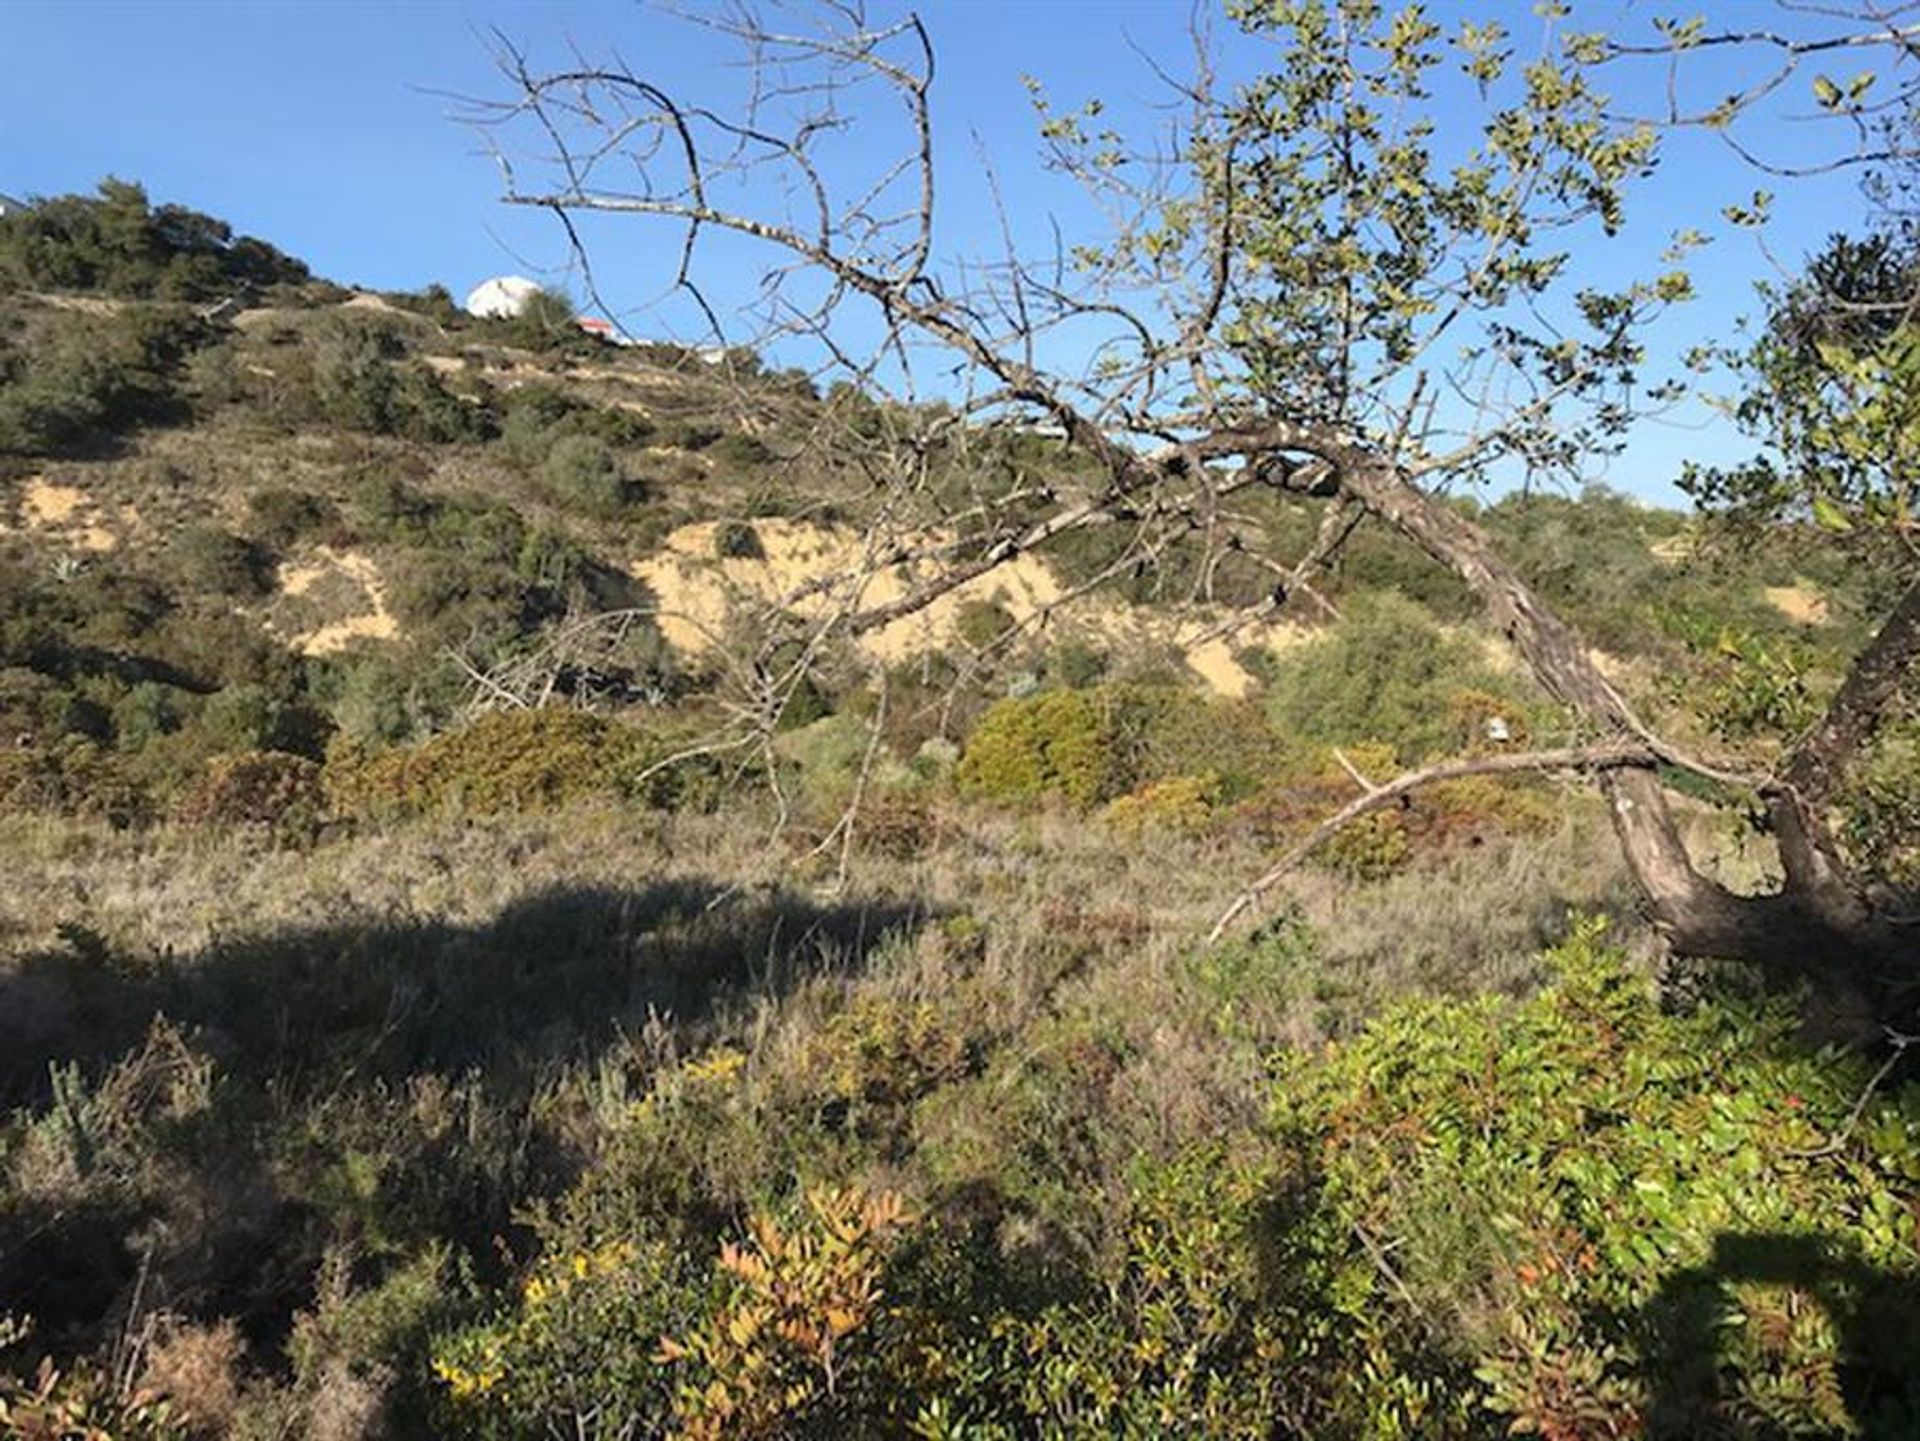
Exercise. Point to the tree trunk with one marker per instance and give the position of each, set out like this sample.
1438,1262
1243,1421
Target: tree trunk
1818,927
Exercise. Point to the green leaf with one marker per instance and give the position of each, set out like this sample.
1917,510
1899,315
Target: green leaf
1828,515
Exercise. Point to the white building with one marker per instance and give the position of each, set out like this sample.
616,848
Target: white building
502,297
10,206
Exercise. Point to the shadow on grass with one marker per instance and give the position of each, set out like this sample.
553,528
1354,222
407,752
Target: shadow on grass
552,977
321,1040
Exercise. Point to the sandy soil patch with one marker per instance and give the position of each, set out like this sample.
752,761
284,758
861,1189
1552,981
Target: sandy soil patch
47,504
1798,602
820,570
331,581
264,316
67,512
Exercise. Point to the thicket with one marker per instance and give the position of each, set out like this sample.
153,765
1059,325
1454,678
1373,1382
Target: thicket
1089,746
70,380
362,378
1580,1213
1386,672
510,762
118,243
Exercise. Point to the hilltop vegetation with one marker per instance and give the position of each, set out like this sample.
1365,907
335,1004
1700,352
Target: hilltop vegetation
425,1011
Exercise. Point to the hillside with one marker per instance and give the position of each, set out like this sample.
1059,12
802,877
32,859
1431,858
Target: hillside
447,988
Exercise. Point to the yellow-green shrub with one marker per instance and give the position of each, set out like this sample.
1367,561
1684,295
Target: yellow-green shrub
881,1051
771,1355
1089,746
512,761
83,1404
1056,744
1184,805
1163,731
72,776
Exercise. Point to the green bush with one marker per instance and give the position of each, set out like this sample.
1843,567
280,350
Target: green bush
693,433
75,379
1089,746
1076,665
216,562
1588,1214
536,417
363,381
1179,805
581,473
981,623
72,776
509,762
1385,672
284,515
737,540
1056,744
120,244
740,451
546,322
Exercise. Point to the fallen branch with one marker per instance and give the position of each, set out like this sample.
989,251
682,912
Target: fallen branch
1613,755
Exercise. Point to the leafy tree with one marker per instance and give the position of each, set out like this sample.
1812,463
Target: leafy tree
1296,282
1834,397
118,243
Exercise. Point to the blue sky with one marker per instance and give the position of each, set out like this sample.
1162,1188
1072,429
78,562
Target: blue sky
321,127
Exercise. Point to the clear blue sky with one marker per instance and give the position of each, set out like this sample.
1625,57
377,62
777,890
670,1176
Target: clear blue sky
317,126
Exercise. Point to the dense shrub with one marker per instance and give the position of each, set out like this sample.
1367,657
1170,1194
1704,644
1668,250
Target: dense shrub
470,571
1385,672
981,623
737,540
283,514
581,473
363,381
120,244
545,322
538,417
1436,818
1056,744
1076,665
1089,746
1603,1217
692,433
72,776
1182,805
77,379
217,562
514,761
81,1404
740,451
1881,810
263,788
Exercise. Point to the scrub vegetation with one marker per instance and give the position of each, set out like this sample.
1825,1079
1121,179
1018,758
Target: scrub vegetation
472,965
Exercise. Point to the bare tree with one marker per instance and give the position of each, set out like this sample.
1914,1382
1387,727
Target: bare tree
1347,279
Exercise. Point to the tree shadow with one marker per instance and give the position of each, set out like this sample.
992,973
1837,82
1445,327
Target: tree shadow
319,1038
1874,1316
552,976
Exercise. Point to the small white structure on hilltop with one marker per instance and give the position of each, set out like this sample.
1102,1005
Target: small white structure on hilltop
502,297
10,206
